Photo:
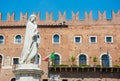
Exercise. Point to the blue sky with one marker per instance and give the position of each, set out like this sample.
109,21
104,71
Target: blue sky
30,6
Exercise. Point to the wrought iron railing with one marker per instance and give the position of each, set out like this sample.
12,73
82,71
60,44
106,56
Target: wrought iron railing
115,64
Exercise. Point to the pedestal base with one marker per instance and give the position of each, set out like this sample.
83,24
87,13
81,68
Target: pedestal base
28,72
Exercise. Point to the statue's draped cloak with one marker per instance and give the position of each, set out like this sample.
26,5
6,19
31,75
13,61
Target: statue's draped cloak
29,49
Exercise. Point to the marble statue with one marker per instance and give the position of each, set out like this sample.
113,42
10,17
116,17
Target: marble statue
30,48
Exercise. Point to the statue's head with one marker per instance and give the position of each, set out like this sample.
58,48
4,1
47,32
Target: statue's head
32,18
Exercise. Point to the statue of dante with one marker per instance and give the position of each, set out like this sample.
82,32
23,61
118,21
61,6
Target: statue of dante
30,48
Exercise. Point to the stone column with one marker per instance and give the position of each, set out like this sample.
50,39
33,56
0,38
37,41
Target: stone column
28,72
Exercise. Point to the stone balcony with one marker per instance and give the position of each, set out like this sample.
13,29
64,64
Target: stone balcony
69,71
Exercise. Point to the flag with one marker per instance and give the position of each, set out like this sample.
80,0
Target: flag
46,58
52,56
49,57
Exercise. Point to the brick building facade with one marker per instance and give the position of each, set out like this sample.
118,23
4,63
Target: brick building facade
94,44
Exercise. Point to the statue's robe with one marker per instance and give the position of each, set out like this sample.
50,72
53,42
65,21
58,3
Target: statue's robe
30,46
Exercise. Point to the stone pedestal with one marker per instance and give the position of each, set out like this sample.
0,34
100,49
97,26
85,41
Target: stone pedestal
54,77
28,72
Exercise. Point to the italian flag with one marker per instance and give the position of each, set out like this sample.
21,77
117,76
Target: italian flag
49,57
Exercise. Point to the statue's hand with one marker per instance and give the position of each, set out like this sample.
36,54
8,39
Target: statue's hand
35,37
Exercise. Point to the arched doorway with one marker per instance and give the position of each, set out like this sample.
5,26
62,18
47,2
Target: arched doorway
82,60
105,60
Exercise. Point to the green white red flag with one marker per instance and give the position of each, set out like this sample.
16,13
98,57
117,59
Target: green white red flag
49,57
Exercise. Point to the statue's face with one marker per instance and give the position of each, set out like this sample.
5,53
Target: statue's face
33,19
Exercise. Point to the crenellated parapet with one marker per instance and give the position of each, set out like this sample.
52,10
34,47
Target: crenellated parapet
75,16
116,16
62,17
88,16
75,19
23,17
10,18
38,16
49,17
101,16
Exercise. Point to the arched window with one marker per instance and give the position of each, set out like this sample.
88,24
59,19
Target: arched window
82,60
105,60
57,59
37,59
18,39
56,38
1,58
13,79
1,39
